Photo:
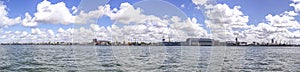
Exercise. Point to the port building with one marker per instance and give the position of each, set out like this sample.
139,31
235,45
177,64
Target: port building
200,42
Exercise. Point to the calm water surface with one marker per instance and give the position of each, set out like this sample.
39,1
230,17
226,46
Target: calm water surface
147,59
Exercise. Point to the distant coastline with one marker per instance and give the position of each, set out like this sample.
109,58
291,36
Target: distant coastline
159,45
188,42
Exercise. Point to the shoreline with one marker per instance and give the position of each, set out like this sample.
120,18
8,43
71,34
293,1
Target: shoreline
150,45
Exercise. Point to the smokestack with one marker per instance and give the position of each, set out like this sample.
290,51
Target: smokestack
169,39
163,40
236,40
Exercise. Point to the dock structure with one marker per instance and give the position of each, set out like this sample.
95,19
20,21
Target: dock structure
101,42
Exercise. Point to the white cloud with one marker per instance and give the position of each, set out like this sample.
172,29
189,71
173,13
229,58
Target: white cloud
277,27
51,33
58,13
4,19
261,32
60,30
135,25
3,37
189,27
283,21
53,13
128,14
36,31
24,34
265,32
199,2
225,24
151,28
177,29
74,9
223,21
28,21
296,5
182,5
92,16
95,27
64,35
36,35
17,32
290,13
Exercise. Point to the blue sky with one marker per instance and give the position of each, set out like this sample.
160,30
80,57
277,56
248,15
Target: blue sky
256,10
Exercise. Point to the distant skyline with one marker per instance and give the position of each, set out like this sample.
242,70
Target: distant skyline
149,20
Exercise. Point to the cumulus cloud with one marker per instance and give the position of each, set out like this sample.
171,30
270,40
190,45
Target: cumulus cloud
283,21
279,27
265,32
290,13
4,19
261,32
36,35
36,31
223,21
190,27
137,26
95,27
226,23
91,16
53,13
199,2
132,25
128,14
60,30
28,21
153,28
57,13
296,5
49,13
51,33
177,30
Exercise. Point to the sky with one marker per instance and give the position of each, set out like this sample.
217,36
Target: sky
149,20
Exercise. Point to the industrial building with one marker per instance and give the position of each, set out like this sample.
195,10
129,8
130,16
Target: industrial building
199,42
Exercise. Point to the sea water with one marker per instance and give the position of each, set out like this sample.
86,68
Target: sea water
84,58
